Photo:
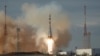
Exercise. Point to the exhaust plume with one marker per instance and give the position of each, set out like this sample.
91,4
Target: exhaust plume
34,29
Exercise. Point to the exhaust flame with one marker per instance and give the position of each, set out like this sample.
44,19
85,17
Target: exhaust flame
50,45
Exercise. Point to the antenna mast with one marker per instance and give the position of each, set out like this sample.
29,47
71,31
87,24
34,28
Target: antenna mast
85,26
86,42
17,47
5,30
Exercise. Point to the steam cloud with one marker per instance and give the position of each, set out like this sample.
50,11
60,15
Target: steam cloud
34,28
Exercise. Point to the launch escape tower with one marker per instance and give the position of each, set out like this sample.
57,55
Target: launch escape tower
86,40
50,30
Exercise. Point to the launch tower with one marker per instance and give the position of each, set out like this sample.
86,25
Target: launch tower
86,41
5,30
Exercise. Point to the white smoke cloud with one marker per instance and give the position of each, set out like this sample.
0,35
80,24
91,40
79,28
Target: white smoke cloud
38,16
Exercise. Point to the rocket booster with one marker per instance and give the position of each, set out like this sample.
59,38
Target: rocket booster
50,30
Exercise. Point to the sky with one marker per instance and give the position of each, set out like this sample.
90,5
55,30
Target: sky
75,13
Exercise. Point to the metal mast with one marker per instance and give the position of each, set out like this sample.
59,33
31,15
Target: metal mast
85,29
5,31
86,40
17,44
50,30
85,26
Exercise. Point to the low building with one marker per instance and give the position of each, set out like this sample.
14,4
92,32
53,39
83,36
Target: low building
89,52
62,53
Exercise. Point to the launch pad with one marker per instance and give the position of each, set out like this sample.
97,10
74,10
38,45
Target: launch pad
29,54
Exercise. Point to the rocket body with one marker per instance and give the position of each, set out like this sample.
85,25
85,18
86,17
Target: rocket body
50,30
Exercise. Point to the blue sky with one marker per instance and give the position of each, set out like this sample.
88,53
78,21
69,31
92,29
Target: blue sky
74,9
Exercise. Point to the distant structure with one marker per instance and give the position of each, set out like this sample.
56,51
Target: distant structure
17,43
50,30
5,31
88,52
86,41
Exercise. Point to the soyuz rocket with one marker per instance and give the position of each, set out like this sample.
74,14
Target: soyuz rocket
50,30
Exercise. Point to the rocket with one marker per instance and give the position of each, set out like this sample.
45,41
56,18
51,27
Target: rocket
50,30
